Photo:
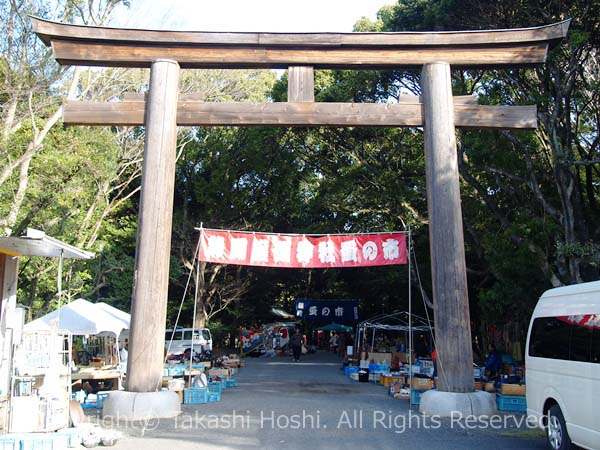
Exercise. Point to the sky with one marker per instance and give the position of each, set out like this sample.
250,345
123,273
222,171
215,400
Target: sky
250,15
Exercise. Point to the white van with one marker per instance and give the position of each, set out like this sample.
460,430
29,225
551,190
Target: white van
182,340
562,365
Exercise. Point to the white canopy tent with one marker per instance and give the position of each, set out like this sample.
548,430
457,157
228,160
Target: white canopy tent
83,318
400,321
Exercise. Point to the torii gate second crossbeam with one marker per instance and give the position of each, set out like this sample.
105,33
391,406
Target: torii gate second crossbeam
165,52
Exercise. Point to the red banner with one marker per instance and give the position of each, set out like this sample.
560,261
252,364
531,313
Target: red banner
302,251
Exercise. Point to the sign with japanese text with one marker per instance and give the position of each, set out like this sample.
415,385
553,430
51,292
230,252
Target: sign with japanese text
327,311
302,251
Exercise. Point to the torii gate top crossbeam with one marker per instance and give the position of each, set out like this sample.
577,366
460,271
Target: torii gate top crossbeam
118,47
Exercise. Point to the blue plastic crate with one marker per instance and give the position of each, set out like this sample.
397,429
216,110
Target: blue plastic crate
73,436
43,441
214,397
177,371
513,403
378,368
9,443
415,396
100,397
195,396
350,370
231,383
215,386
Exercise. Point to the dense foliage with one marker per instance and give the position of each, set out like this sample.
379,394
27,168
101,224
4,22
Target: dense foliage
530,199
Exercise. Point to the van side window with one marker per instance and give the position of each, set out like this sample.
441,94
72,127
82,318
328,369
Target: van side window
581,342
573,338
550,338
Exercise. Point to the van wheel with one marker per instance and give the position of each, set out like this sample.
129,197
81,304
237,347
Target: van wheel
556,430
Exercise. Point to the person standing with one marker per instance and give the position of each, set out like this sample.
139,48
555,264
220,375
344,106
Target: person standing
296,343
493,363
334,341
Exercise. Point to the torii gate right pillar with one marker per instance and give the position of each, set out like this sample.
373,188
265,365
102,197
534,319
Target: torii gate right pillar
448,267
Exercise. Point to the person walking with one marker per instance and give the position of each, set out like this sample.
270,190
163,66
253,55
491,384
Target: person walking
296,343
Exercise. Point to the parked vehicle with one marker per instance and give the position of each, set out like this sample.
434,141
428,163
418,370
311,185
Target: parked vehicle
563,365
182,340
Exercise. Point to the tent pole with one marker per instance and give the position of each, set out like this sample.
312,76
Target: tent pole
59,280
410,336
373,341
197,261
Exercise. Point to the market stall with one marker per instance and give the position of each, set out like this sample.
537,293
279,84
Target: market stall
35,367
393,332
97,329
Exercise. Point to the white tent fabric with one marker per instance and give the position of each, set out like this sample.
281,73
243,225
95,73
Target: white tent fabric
116,313
82,318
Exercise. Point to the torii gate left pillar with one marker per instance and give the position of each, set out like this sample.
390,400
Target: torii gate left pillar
151,276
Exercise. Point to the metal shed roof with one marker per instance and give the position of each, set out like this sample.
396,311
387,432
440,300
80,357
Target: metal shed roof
36,243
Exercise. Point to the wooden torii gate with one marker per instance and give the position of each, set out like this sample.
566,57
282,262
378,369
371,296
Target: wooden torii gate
165,52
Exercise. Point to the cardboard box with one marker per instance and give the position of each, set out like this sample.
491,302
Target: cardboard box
422,384
388,380
512,389
406,357
395,388
489,387
224,373
379,358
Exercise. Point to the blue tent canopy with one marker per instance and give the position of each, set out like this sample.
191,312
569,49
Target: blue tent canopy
336,327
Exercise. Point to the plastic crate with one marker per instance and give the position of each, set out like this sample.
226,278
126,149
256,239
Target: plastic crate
195,396
215,386
214,397
100,397
378,368
43,441
176,371
513,403
73,436
231,383
415,396
9,443
350,369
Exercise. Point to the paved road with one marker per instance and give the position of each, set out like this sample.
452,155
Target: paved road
312,405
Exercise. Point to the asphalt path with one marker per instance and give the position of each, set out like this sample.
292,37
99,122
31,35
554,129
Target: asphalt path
310,404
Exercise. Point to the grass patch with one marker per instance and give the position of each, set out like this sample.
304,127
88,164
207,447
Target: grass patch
524,434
